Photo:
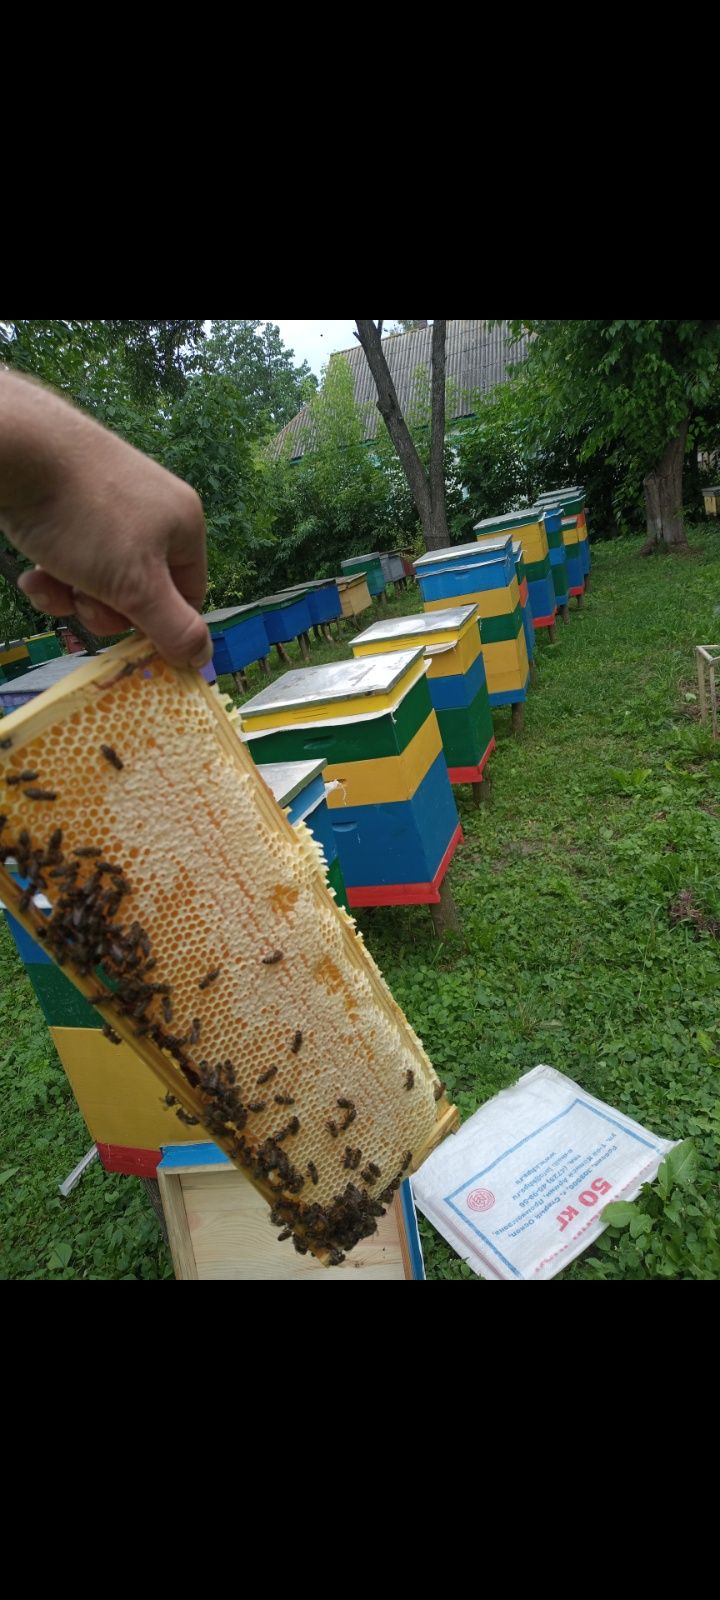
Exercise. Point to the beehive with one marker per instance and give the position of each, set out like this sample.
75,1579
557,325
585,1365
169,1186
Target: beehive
239,637
524,594
43,646
455,677
299,787
483,575
116,1095
286,616
372,567
34,681
14,658
354,593
391,805
321,597
204,896
552,519
528,528
575,531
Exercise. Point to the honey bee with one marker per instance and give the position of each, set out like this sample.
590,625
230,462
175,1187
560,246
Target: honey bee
286,1234
284,1100
332,1128
407,1160
192,1122
111,1034
352,1158
257,1105
271,961
312,1170
169,1100
5,744
297,1041
347,1119
40,794
409,1078
109,754
88,850
346,1105
267,1075
209,978
21,777
439,1091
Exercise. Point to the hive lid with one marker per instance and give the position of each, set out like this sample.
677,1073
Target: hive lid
45,674
343,680
456,552
286,779
283,597
214,618
510,519
370,555
424,625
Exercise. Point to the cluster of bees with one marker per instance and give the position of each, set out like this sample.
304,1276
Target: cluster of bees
85,929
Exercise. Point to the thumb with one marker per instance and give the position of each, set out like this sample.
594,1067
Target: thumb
170,623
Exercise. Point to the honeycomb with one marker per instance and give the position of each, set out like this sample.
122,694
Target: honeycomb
184,901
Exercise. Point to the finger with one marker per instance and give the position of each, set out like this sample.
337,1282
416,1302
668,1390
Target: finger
179,633
96,616
46,594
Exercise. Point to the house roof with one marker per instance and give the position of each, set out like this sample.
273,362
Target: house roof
477,357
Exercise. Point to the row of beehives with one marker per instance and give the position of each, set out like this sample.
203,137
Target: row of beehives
18,655
412,713
244,634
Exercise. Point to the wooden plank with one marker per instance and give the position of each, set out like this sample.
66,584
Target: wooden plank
218,1228
171,1194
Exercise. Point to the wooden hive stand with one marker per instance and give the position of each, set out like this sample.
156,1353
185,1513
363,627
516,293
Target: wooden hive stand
707,659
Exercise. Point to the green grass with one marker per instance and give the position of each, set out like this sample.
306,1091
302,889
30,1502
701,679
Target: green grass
604,812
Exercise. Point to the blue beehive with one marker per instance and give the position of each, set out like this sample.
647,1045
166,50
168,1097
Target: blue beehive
239,637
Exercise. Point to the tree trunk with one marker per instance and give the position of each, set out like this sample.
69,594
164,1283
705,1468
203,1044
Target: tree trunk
396,425
663,499
440,535
428,492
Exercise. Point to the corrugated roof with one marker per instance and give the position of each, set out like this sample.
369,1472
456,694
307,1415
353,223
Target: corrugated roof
477,356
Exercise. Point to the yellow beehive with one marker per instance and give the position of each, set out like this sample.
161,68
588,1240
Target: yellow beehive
236,976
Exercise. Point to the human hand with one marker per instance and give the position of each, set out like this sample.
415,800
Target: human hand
116,539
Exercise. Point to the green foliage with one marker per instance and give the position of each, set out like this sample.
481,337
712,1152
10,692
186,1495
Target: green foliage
273,388
624,388
334,501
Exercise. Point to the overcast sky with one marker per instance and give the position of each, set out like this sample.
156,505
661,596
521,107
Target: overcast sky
315,342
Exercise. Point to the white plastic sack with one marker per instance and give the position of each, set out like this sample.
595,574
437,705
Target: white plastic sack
520,1190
